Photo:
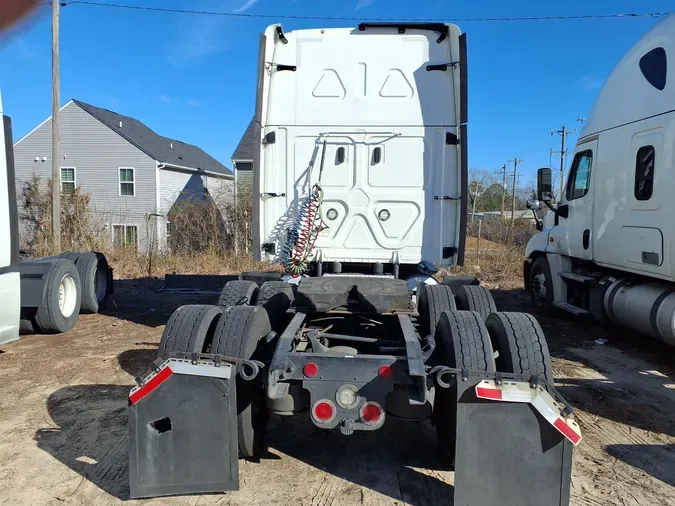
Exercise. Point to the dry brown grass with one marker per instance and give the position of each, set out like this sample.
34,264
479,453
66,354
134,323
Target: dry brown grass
128,264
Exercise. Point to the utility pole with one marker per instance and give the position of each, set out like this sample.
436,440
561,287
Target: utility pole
515,163
56,157
503,170
563,133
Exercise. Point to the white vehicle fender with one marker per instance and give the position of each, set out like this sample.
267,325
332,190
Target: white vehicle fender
537,243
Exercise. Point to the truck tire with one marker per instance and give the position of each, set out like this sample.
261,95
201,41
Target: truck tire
541,286
521,344
27,326
190,329
238,293
61,299
463,342
276,297
94,282
477,299
237,335
432,302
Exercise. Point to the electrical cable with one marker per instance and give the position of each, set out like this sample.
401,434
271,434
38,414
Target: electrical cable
339,18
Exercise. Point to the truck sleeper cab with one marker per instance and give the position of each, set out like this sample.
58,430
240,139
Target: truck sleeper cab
607,247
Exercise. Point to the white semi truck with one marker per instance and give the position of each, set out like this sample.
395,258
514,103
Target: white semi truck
608,247
360,186
41,294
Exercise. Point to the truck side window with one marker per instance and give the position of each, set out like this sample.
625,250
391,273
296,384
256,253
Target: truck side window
644,172
580,176
654,66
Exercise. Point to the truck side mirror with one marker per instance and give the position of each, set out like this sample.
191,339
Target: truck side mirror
544,185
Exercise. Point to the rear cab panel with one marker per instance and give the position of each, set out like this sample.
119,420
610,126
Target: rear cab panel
388,106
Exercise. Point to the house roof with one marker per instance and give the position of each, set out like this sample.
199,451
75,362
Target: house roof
162,149
244,151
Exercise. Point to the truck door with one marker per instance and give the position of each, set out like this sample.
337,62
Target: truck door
573,235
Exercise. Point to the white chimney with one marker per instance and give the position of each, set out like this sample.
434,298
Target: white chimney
120,123
171,145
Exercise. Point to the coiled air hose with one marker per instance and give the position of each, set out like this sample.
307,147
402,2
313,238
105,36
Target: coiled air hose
303,234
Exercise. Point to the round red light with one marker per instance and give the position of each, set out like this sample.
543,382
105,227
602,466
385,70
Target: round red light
384,372
323,411
310,370
371,413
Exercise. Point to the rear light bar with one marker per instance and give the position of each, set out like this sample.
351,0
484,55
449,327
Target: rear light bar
540,400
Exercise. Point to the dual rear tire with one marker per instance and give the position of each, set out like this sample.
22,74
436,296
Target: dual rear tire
235,332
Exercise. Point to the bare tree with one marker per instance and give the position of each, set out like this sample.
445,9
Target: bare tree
480,181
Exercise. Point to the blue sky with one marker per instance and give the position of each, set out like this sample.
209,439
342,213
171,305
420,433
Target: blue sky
192,77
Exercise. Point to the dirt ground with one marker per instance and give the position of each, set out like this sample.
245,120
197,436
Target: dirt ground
63,422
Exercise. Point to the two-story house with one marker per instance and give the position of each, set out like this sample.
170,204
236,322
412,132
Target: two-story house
133,175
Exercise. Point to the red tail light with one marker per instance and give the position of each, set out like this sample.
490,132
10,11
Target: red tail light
372,413
384,372
310,370
323,411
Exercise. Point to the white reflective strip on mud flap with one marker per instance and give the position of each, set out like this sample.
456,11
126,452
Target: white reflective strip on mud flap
223,371
540,400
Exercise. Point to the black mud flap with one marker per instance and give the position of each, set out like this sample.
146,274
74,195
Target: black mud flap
183,432
507,453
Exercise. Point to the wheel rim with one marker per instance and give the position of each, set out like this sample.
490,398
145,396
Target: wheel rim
67,295
539,288
100,284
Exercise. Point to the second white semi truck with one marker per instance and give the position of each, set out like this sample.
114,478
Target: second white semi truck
607,248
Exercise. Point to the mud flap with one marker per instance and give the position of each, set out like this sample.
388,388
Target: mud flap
183,430
511,448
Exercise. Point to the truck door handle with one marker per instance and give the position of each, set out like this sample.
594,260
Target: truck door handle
587,238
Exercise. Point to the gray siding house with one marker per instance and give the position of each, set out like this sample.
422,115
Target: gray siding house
133,175
242,161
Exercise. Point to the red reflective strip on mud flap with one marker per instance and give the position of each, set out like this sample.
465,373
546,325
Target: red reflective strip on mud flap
567,431
539,399
489,393
153,383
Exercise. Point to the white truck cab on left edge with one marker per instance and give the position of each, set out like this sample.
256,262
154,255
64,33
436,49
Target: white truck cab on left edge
608,247
10,283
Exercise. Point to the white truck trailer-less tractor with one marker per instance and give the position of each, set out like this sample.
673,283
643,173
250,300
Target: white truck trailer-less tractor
360,192
41,294
608,247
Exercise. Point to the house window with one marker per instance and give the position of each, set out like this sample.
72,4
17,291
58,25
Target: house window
125,236
67,179
580,175
169,228
644,172
127,181
654,66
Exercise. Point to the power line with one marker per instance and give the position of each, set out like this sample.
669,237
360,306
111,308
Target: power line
332,18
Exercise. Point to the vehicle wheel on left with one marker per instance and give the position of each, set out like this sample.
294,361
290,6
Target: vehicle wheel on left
276,297
238,333
61,299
